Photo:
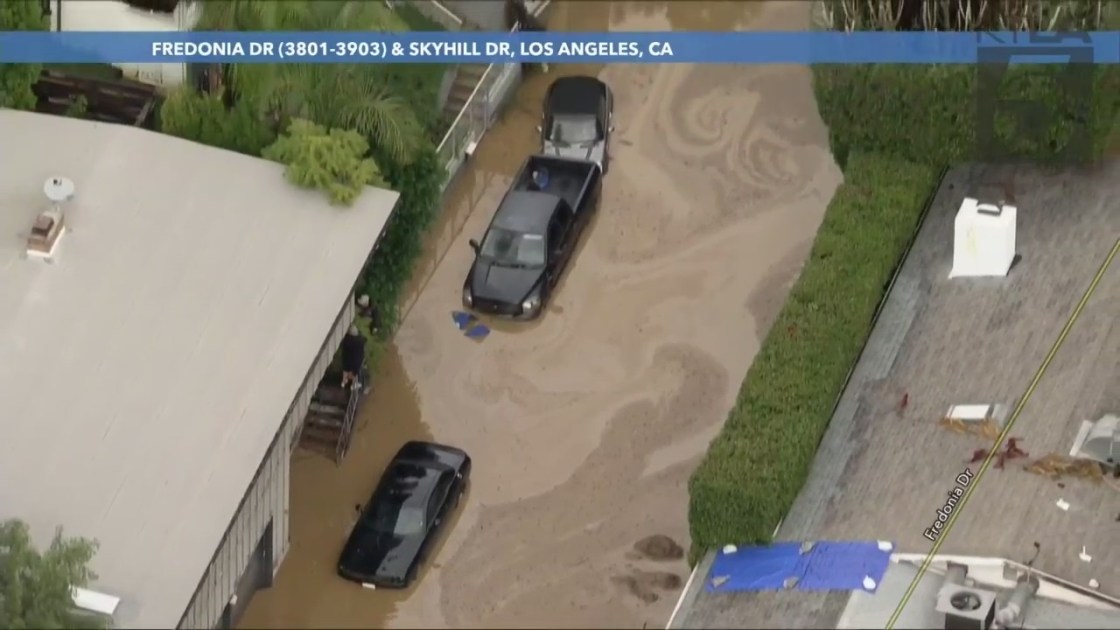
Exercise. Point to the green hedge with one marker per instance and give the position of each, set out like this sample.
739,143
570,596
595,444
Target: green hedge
391,266
757,465
928,114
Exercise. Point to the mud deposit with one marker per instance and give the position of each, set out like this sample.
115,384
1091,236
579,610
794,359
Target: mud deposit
585,425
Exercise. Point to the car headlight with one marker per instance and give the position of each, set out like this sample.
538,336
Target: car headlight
531,303
468,299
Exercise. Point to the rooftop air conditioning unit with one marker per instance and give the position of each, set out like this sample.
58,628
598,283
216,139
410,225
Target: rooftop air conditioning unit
983,239
966,608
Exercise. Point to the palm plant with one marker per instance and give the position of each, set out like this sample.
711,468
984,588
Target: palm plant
963,15
339,96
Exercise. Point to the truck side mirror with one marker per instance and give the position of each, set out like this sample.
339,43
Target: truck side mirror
474,245
540,129
611,129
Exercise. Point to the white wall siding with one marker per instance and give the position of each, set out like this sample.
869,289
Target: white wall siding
315,375
114,15
267,499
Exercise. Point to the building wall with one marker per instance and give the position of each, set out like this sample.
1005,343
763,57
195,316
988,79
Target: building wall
266,500
113,15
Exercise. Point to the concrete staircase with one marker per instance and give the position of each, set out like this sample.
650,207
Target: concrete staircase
466,78
467,75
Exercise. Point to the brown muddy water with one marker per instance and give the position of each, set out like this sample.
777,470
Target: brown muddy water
585,425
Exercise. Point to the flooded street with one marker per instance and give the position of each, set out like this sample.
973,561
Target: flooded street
585,425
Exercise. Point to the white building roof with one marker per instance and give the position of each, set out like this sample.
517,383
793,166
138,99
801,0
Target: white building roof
145,371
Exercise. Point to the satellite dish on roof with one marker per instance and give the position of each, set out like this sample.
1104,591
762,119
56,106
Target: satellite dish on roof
58,189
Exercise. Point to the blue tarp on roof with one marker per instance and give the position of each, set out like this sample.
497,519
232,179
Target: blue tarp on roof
820,566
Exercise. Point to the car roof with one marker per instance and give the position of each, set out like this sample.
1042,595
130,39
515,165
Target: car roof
527,212
413,478
432,452
576,95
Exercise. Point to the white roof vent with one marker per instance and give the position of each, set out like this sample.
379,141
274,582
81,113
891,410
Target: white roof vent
1099,441
95,602
983,239
50,225
966,608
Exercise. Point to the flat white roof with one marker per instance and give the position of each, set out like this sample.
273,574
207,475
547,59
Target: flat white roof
144,373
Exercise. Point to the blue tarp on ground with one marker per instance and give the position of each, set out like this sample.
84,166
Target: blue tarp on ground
478,332
461,319
823,566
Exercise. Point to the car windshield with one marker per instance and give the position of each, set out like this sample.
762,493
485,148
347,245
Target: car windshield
574,130
513,249
391,517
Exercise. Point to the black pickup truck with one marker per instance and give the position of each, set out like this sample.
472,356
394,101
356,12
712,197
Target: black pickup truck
532,237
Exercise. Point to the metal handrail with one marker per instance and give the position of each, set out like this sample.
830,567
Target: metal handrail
463,110
448,12
466,104
442,8
345,432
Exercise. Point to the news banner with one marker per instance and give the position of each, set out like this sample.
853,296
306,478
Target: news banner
557,47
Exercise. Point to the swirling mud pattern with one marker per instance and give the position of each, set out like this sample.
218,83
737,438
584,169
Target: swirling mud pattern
585,425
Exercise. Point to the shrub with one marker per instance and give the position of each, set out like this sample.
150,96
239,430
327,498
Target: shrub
758,463
927,114
16,79
204,118
334,161
35,582
390,268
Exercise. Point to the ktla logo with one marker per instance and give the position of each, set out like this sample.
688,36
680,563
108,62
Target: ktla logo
1005,123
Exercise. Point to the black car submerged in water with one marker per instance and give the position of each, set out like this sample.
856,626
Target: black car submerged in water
532,237
416,496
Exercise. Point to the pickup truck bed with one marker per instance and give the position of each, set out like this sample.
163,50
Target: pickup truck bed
565,178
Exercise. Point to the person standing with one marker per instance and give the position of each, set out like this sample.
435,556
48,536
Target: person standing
353,356
368,310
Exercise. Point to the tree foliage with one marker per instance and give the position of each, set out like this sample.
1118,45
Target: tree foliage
361,97
333,161
35,587
204,118
16,79
963,15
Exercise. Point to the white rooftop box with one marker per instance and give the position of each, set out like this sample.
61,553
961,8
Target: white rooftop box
983,239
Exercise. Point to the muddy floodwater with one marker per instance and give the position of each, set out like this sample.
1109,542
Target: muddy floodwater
585,425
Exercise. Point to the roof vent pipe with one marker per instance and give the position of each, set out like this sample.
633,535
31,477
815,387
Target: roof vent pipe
1012,613
955,573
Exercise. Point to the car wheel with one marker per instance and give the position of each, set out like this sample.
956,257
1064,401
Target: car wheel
410,577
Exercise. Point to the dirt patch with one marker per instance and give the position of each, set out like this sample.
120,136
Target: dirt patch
648,586
659,547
